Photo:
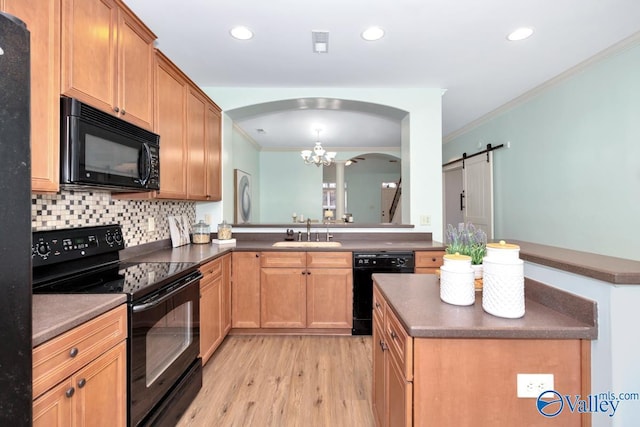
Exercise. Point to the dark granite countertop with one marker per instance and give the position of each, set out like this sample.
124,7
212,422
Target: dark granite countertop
200,253
56,314
549,313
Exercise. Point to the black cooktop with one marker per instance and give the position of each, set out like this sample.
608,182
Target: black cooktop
86,260
136,279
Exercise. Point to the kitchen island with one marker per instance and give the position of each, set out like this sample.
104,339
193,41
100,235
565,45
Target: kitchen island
436,364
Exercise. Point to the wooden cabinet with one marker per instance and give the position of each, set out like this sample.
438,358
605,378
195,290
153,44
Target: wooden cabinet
213,146
196,145
170,107
211,302
43,22
392,368
80,377
427,262
107,59
188,123
306,290
245,290
421,381
215,305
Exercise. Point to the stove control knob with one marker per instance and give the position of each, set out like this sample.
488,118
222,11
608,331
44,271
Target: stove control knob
43,249
401,261
109,238
118,237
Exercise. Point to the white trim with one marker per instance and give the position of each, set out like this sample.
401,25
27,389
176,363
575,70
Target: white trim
246,135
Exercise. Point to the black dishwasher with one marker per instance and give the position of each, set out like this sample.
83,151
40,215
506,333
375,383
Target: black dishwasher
364,265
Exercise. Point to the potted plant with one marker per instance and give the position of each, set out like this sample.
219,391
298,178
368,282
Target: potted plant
466,239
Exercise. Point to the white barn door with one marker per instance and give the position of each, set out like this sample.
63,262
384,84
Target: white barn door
478,192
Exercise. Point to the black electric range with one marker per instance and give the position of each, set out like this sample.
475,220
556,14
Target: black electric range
164,370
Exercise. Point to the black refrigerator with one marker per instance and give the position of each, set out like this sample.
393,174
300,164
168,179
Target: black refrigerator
15,224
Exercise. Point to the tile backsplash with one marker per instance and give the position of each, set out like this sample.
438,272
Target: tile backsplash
69,209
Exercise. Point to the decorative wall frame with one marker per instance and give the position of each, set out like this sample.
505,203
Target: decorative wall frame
242,199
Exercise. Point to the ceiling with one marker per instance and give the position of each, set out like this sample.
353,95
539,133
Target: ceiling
456,45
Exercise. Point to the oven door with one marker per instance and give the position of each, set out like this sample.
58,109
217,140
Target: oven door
165,341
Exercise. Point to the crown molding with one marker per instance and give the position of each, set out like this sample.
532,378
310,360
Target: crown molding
247,136
615,49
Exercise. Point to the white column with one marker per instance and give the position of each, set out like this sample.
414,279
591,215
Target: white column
339,190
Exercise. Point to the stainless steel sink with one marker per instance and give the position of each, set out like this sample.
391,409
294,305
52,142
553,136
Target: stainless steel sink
294,244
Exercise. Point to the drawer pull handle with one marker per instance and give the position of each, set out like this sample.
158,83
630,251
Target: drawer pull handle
82,383
73,352
394,335
70,391
383,346
377,305
433,259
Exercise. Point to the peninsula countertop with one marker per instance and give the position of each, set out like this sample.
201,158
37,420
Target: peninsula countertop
549,313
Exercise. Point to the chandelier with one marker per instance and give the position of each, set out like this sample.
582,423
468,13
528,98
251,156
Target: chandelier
318,156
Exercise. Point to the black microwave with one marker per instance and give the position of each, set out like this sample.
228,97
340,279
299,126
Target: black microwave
101,151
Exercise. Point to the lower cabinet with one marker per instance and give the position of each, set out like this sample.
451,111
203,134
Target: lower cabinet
292,290
306,290
215,300
80,377
392,368
427,262
468,381
245,290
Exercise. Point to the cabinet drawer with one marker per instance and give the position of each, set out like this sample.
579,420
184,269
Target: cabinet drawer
329,259
60,357
400,344
212,268
283,259
431,259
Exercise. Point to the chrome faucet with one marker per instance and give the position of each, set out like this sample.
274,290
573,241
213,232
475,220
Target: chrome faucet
329,236
308,229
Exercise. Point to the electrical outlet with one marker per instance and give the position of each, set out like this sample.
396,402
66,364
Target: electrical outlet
425,220
151,224
531,385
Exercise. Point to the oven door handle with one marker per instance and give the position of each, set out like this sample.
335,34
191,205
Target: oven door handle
177,287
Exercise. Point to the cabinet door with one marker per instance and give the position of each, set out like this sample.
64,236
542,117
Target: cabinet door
399,395
283,297
53,409
329,298
89,51
170,112
101,390
245,290
214,153
378,397
210,316
196,159
226,294
43,21
135,71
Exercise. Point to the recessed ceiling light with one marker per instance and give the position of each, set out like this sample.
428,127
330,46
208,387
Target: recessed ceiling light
520,34
241,33
373,34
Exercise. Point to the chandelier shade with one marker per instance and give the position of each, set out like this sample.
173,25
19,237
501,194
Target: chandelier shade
319,156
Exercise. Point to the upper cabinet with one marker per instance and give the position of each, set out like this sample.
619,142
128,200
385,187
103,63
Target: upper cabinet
43,22
188,123
107,59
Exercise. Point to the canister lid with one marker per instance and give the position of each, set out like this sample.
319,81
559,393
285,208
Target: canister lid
457,257
503,245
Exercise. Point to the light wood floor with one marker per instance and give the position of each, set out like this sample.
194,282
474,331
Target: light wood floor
307,381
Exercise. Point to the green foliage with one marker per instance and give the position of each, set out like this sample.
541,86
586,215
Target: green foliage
467,240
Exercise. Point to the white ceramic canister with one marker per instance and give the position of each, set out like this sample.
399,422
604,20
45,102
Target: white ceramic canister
503,281
456,280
